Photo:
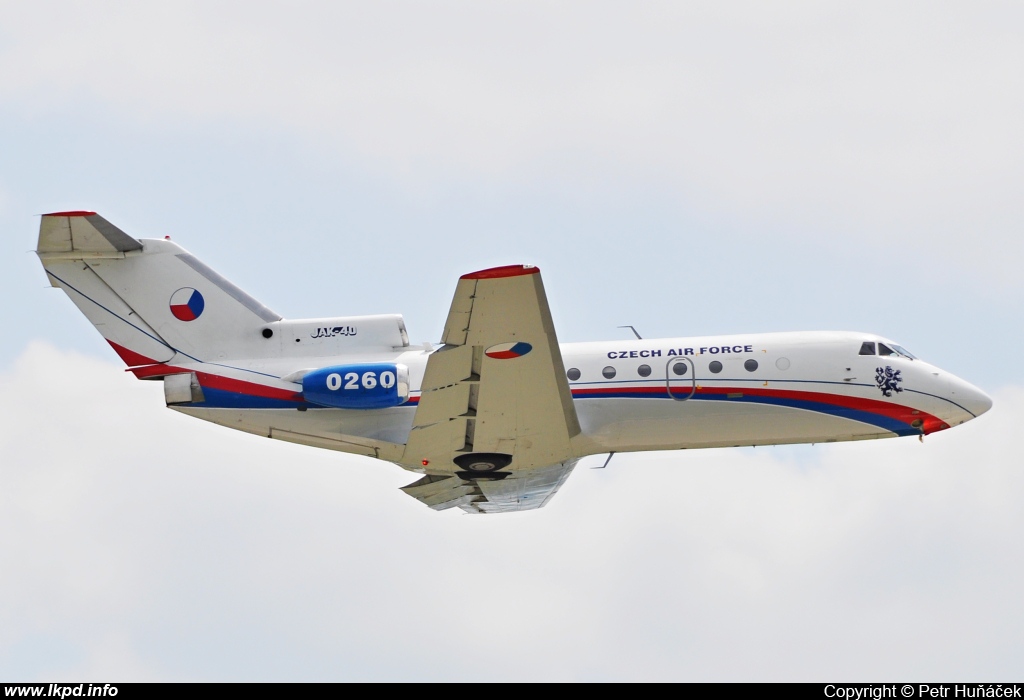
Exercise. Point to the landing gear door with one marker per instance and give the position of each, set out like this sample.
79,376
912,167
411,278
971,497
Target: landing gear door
680,378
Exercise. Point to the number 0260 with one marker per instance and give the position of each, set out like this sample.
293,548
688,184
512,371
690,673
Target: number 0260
352,380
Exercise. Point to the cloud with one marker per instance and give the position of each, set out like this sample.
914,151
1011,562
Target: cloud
887,126
141,544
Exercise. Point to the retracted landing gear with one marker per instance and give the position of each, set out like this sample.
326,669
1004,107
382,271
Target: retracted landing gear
482,465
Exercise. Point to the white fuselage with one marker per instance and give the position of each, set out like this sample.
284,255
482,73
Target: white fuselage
759,389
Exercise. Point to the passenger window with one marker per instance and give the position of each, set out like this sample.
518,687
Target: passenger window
884,350
750,365
715,367
679,368
608,372
644,370
573,374
867,349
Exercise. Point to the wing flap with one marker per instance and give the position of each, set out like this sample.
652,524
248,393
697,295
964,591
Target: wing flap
447,366
437,443
524,491
432,484
461,502
521,490
443,492
445,402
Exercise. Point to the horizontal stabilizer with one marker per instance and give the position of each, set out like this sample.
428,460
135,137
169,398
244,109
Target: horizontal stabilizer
82,232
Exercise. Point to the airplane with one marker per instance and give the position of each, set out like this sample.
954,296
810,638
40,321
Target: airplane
496,418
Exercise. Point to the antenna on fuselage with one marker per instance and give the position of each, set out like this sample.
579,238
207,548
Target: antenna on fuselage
610,455
634,331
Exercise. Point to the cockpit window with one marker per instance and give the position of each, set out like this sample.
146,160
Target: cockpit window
867,349
886,350
903,351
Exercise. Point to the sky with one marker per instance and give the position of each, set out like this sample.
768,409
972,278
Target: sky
687,168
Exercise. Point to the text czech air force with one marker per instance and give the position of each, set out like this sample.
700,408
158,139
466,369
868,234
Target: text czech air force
711,350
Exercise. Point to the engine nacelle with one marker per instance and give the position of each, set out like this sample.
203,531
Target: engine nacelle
369,385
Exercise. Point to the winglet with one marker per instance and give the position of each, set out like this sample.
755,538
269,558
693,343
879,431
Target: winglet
492,273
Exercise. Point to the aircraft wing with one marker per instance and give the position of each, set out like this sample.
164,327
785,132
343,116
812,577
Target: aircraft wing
496,388
522,490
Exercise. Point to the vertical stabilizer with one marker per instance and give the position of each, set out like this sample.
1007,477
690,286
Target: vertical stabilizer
151,299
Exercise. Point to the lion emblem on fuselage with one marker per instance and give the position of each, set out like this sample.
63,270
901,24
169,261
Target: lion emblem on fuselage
888,380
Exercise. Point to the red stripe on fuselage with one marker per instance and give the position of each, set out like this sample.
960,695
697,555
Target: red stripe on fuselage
215,381
153,369
904,414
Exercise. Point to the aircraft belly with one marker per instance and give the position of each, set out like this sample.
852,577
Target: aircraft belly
623,424
387,425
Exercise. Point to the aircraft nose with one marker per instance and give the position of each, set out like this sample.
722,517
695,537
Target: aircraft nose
979,402
969,396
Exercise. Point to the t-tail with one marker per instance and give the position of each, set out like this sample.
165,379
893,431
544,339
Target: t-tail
156,303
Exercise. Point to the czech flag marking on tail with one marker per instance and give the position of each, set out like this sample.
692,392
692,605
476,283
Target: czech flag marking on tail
508,351
187,304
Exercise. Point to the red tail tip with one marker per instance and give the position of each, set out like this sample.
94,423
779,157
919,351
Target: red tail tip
498,272
71,213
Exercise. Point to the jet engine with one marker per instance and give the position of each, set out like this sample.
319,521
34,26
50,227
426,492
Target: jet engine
362,386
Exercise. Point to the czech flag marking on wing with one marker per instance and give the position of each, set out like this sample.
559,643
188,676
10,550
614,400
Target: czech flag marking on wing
508,351
187,304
